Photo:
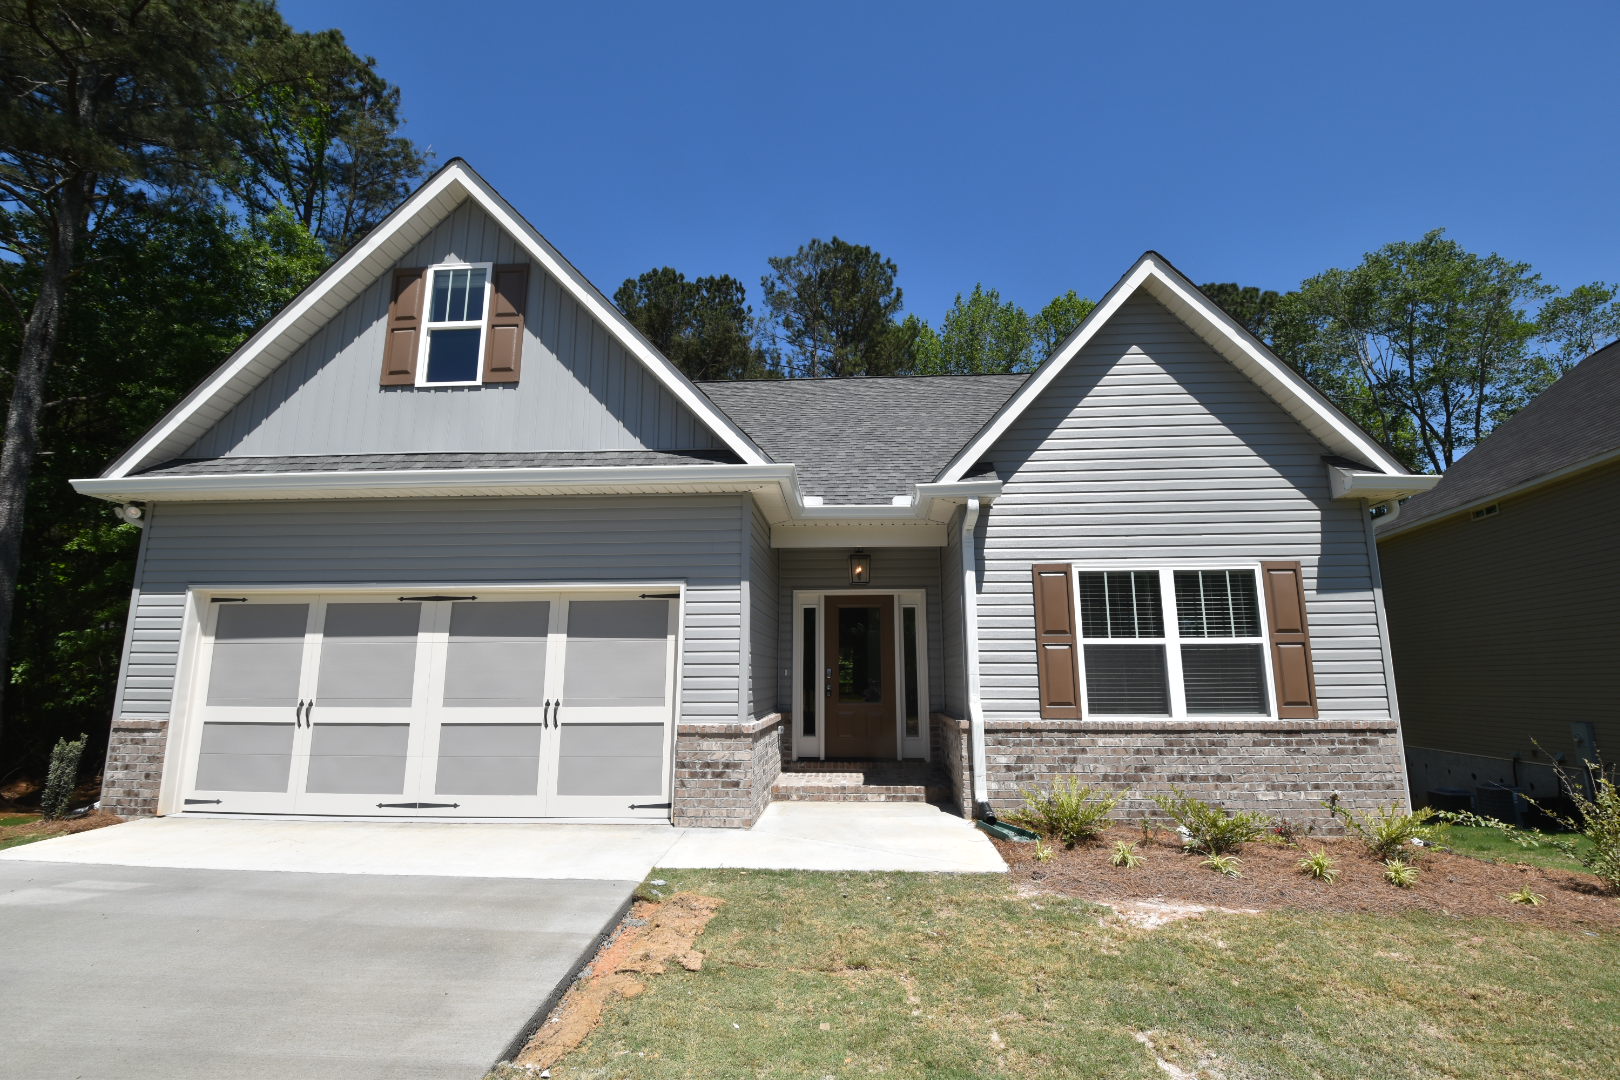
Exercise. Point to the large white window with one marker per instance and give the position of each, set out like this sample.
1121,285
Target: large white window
457,308
1173,642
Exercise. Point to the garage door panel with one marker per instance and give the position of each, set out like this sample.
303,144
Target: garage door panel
496,654
489,759
245,757
611,760
258,655
358,759
368,655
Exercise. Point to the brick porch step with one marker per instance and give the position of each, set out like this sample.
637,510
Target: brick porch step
860,781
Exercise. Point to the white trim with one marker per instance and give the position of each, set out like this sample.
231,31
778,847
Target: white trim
1276,378
806,747
452,184
1375,487
970,655
481,324
1172,641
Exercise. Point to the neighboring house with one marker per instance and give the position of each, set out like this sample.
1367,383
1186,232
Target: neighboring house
1504,599
448,538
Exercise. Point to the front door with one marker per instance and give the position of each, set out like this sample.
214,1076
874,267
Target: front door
859,681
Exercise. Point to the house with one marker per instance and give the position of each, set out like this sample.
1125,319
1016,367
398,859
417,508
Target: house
1503,585
448,538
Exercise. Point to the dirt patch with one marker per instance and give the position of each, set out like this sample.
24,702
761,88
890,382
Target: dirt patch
1447,884
651,938
41,829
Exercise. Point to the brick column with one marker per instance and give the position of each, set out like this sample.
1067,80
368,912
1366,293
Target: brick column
134,771
724,772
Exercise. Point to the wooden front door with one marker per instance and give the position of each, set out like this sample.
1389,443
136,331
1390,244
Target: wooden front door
859,683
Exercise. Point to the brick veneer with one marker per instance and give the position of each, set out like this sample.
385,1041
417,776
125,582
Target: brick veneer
134,770
952,751
724,772
1285,769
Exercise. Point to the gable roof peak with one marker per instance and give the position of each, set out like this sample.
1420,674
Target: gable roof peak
450,185
1155,274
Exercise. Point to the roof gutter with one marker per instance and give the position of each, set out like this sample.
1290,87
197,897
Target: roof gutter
1376,487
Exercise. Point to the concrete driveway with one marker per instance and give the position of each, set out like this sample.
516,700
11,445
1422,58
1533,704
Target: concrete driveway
143,973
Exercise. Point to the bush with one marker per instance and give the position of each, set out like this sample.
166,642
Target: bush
1388,831
1208,828
1071,812
1400,873
1319,865
1597,819
1125,855
61,778
1230,865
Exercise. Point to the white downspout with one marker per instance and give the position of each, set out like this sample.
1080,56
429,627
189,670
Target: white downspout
970,632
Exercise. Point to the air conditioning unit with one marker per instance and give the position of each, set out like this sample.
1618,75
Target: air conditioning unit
1500,802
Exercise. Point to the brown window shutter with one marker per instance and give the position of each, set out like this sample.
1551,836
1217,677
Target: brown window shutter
403,340
503,342
1057,644
1290,640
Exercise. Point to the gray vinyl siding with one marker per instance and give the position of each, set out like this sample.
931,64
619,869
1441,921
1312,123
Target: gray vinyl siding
763,613
1504,629
695,539
580,389
892,568
954,675
1150,448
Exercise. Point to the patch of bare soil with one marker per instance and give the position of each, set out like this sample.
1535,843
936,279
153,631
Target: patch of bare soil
1271,880
96,820
652,936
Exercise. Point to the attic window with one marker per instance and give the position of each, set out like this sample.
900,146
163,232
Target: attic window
458,304
1486,511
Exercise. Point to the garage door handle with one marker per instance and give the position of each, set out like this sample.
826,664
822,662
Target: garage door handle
545,714
298,714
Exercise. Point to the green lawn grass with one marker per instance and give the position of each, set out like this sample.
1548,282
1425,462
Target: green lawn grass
958,978
1491,844
20,819
18,839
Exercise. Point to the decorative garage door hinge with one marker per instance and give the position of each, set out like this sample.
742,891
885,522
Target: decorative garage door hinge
649,806
200,802
419,805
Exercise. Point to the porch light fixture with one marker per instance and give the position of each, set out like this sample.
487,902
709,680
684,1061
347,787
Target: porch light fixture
860,568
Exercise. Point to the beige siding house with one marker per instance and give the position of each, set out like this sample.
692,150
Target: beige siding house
1503,594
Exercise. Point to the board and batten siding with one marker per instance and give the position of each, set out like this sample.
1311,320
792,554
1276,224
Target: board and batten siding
827,569
1148,448
1504,628
579,388
696,539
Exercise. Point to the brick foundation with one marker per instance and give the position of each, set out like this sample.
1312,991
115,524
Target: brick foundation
724,772
1285,769
134,771
953,753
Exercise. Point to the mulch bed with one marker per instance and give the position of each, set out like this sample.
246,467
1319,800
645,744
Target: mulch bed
1448,884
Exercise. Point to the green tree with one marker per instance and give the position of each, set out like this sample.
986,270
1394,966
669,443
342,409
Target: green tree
832,307
1252,307
703,326
110,106
1057,320
983,334
1429,346
1577,324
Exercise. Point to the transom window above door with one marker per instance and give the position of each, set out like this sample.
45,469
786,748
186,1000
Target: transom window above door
1173,642
458,303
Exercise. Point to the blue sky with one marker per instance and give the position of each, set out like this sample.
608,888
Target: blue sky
1033,147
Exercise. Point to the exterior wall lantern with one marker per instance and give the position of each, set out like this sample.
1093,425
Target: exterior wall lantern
860,568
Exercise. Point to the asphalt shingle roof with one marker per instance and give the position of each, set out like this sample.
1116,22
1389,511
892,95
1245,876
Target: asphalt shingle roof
1574,420
864,440
367,462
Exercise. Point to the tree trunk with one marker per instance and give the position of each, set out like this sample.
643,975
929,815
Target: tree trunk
28,396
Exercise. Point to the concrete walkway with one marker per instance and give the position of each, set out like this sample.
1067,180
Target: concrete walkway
790,836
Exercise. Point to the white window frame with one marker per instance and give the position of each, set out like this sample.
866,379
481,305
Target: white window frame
428,326
1172,640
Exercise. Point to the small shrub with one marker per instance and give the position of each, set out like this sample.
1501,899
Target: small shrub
1043,851
1211,829
1126,855
61,778
1230,865
1292,832
1319,865
1400,873
1070,812
1526,895
1388,831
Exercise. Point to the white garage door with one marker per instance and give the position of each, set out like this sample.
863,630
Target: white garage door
522,705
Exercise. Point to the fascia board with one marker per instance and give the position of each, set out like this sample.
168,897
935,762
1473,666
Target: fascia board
1346,483
440,481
